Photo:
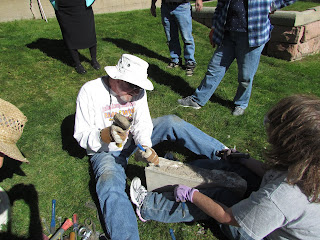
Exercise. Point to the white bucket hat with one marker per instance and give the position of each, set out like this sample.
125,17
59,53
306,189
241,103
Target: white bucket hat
12,122
132,70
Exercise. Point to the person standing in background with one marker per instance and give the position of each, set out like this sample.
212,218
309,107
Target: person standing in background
240,30
76,20
176,16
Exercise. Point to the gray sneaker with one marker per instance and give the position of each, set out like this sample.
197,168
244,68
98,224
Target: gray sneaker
238,111
190,68
188,102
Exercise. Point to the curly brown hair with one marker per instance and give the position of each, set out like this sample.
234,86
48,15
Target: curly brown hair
293,130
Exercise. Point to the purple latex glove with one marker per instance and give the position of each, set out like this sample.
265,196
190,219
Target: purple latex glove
184,193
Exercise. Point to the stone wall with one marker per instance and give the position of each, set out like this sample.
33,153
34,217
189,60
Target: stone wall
20,9
295,34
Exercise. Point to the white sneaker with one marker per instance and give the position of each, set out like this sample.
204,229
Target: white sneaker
137,195
238,111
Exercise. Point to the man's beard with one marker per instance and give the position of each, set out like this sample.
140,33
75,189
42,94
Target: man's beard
126,98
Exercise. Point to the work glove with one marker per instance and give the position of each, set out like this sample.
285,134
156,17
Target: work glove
231,155
184,193
113,134
149,155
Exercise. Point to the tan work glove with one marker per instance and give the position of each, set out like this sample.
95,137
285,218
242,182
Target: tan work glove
149,156
113,134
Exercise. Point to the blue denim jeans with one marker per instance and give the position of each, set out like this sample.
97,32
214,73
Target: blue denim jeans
109,170
119,216
174,129
234,46
175,18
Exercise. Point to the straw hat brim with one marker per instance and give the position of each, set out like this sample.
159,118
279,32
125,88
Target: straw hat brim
12,151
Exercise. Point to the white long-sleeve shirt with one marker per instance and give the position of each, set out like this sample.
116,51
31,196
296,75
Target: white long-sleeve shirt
96,106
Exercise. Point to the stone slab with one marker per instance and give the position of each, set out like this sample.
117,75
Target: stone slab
281,18
294,18
170,173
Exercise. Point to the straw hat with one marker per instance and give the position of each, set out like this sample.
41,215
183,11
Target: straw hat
12,122
131,69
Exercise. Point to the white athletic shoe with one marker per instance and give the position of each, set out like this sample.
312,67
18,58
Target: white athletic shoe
137,195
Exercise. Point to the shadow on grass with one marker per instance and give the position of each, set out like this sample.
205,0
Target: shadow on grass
55,49
69,143
135,48
176,83
29,194
9,168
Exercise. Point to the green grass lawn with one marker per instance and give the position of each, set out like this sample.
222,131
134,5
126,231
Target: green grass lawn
36,75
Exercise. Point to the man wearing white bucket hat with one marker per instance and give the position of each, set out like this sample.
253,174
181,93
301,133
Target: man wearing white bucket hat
122,91
12,122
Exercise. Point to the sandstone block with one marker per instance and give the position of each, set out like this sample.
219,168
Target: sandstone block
287,34
170,173
293,52
312,30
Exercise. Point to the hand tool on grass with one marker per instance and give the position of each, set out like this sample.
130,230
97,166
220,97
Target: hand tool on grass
85,233
62,229
122,122
53,217
172,234
183,208
72,236
75,225
60,223
45,225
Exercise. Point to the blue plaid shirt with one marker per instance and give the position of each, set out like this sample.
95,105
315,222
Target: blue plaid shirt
259,26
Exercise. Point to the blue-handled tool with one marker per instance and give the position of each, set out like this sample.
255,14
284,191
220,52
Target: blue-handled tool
183,209
172,234
139,146
53,217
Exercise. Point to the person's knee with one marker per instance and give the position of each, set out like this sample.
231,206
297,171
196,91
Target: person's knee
167,120
110,181
171,120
